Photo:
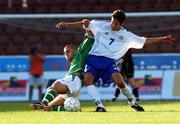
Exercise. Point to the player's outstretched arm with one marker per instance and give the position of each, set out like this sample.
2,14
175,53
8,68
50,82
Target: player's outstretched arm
164,39
78,24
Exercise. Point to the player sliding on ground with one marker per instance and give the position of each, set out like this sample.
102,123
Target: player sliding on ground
70,85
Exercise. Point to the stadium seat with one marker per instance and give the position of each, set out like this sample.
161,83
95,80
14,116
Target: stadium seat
56,9
115,7
175,7
32,3
47,3
166,48
70,8
177,47
146,7
17,3
151,49
60,2
4,3
100,8
42,9
76,2
10,10
18,39
91,2
4,41
83,8
119,2
33,39
132,7
134,2
161,7
11,30
25,9
11,50
57,49
105,2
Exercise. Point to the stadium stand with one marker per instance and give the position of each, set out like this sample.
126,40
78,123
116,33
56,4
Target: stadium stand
16,39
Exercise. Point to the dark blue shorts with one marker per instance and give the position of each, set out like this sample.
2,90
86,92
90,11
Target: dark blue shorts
101,67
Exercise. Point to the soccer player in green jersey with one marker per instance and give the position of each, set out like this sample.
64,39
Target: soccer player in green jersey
70,85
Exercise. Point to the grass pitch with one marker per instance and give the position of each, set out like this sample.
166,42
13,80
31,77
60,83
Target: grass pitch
156,112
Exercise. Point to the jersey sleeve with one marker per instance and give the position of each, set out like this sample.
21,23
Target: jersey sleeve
135,41
94,26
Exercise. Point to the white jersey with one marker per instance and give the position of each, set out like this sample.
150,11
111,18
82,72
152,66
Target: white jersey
112,44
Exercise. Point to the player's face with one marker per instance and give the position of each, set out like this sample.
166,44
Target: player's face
115,24
69,53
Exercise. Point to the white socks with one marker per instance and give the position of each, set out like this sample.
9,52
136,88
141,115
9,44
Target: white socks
94,94
126,92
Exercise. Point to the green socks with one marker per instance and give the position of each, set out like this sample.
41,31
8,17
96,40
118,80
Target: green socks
58,108
49,96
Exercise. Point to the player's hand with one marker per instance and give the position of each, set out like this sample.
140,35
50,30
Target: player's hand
61,25
169,39
85,22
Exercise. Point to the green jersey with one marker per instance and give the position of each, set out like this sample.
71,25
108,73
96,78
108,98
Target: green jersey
79,60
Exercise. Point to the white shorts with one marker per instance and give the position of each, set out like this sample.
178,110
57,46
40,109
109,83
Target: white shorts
35,80
73,83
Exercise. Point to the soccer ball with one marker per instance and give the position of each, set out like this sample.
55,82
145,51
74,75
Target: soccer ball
72,104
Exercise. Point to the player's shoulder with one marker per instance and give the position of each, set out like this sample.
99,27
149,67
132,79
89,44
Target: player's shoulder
101,21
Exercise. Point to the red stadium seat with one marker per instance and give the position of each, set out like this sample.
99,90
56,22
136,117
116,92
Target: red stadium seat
10,30
25,9
76,2
119,2
151,49
42,9
175,7
161,7
166,48
70,8
100,8
56,9
91,2
105,2
60,2
32,3
10,9
177,48
132,8
4,3
4,41
85,9
115,7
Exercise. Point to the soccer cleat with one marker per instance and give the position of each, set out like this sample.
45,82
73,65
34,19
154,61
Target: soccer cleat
100,109
137,107
114,99
137,99
37,106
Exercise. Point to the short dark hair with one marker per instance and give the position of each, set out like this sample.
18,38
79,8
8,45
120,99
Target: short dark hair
70,46
119,15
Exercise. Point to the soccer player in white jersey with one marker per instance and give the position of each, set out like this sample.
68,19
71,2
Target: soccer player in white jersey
112,41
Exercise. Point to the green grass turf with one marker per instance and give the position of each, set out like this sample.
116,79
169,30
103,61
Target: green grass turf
156,112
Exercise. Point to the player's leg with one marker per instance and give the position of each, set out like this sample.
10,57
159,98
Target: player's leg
116,94
89,81
117,78
39,81
56,88
135,89
128,72
31,81
30,92
56,104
